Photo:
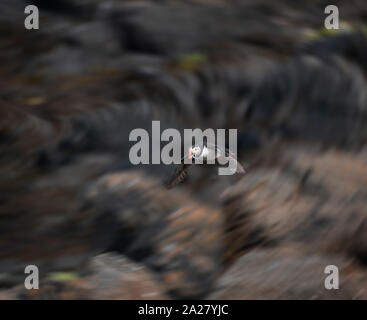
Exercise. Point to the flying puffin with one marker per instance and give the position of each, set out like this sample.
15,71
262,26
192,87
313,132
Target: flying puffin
202,153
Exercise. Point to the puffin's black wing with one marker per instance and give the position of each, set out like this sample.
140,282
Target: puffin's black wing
228,153
239,168
179,175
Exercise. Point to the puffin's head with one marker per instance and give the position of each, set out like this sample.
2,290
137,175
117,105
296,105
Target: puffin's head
194,152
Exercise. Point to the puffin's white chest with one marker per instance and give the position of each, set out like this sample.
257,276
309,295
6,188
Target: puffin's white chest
208,154
205,152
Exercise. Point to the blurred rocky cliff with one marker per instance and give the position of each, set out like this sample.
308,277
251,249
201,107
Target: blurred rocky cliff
100,228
